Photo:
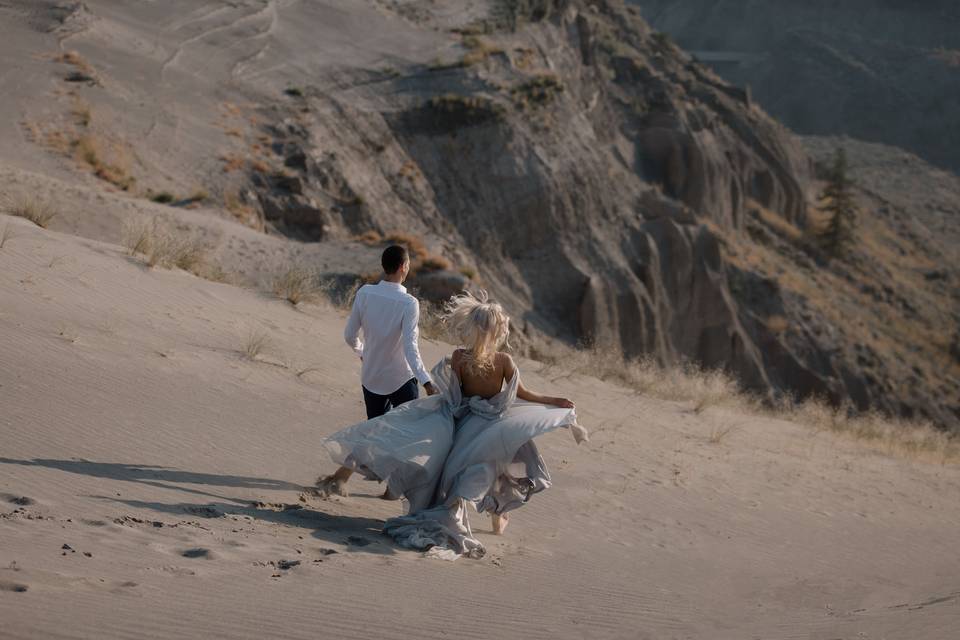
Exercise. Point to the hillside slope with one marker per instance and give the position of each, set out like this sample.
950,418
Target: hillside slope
150,477
884,72
562,154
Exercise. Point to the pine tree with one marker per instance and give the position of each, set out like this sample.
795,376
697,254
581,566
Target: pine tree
839,203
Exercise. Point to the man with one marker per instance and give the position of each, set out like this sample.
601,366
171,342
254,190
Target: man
391,365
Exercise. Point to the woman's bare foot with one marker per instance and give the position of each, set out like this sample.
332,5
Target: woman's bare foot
499,522
331,486
388,496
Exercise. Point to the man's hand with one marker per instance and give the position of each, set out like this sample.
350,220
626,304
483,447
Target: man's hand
430,388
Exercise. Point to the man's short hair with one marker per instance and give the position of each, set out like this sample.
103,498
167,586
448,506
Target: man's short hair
393,258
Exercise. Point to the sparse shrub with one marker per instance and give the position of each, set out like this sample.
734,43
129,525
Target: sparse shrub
469,272
478,50
80,76
413,244
294,92
232,162
370,238
663,41
242,211
137,234
75,59
452,111
434,263
777,324
432,325
538,91
81,112
296,285
37,211
839,204
198,196
94,152
167,249
721,431
161,246
163,197
254,343
260,166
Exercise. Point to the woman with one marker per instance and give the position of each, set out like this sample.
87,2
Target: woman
471,443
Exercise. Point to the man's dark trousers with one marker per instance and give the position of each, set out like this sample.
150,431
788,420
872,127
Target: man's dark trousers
377,405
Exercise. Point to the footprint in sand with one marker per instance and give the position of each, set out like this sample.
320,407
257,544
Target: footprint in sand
14,587
198,552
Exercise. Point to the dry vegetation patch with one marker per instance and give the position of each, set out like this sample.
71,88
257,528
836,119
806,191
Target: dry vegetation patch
297,285
5,235
38,211
703,388
255,341
162,246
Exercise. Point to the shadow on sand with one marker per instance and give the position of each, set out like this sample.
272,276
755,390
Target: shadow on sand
358,534
362,535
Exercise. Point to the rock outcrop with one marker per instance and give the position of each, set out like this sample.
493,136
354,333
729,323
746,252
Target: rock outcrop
584,163
879,71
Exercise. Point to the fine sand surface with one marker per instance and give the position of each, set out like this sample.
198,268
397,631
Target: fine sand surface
134,432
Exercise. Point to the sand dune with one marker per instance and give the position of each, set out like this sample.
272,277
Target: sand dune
151,475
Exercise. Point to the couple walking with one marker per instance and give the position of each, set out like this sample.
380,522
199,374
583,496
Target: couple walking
469,442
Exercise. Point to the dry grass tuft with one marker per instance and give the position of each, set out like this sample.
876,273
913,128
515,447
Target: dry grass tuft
164,247
137,234
260,166
243,212
74,59
777,324
254,343
775,222
721,431
170,250
478,50
413,243
297,285
433,263
81,112
39,212
432,325
110,161
370,238
5,235
232,162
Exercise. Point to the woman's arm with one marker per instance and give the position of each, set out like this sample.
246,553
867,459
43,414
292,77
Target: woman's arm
532,396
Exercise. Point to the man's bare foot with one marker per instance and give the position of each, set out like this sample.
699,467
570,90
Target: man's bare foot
499,522
330,486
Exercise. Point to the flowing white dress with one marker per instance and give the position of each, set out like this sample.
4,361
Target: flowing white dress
446,451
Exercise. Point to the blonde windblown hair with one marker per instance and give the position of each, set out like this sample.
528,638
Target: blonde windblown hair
480,326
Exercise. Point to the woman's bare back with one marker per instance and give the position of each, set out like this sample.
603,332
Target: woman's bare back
485,385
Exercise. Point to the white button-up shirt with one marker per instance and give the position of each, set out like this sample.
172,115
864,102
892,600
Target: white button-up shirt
388,317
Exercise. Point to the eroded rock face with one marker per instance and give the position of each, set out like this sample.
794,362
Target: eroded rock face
597,176
881,71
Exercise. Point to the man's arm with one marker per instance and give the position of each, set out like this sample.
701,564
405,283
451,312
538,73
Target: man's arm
411,347
351,333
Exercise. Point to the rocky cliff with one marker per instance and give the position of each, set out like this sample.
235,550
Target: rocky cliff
876,70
